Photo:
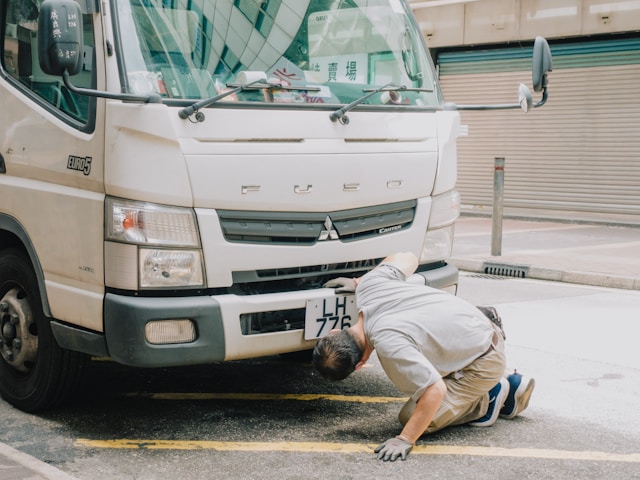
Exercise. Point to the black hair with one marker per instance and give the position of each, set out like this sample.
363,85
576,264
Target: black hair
336,355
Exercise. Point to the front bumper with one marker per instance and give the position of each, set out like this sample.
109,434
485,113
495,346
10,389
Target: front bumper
217,323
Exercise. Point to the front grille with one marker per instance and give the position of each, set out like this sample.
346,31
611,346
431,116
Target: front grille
273,280
307,228
334,269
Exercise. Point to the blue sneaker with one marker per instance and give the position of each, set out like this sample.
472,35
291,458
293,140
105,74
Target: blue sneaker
520,390
497,397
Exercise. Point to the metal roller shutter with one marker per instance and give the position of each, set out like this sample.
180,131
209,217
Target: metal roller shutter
578,157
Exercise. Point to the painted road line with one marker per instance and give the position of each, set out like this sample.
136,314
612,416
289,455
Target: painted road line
305,397
326,447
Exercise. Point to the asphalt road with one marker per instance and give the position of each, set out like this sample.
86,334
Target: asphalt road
274,419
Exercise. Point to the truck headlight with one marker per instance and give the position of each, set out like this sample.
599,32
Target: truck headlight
170,268
163,242
438,243
150,224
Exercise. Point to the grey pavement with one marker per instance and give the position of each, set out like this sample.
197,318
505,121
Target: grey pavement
588,254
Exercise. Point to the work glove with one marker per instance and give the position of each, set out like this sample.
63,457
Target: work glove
342,284
392,449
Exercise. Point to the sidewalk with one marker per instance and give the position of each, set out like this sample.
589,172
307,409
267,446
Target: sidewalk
600,255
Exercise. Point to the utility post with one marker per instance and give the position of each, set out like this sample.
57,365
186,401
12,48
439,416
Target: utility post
498,205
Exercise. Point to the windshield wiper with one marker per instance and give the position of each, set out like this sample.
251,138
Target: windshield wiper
261,84
340,114
186,112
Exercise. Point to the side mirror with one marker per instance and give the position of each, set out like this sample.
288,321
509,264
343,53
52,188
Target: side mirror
60,37
541,63
60,47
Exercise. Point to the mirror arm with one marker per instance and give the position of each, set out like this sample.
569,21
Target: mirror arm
115,96
504,106
543,100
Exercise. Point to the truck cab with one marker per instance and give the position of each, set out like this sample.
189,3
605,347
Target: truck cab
178,180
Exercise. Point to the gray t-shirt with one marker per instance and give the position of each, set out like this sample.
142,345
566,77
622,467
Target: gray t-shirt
420,334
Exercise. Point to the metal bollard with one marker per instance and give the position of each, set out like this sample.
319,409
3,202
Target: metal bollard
498,204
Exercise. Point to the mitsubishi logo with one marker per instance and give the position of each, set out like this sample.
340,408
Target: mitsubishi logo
329,232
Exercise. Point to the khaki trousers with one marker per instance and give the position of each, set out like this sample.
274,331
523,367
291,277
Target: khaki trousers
467,397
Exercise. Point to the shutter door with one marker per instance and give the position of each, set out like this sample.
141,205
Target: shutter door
578,157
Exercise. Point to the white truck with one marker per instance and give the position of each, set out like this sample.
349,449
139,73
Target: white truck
178,179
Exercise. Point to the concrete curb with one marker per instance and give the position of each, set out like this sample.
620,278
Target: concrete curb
25,467
581,278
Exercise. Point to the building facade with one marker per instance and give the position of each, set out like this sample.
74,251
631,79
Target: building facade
578,157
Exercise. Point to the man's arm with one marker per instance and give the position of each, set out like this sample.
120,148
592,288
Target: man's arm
426,408
406,262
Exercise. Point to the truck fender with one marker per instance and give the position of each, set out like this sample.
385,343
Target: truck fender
12,233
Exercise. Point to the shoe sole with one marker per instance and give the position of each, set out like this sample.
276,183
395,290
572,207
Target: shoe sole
521,398
500,399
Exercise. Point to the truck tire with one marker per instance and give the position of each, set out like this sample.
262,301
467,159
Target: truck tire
35,373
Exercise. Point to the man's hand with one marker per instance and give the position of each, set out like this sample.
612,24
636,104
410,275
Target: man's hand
342,284
393,448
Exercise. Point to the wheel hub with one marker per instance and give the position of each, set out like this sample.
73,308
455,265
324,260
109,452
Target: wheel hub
18,335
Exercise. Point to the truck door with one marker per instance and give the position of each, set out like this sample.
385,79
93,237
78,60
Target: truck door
52,148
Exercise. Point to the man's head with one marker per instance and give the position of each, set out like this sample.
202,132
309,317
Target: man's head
337,355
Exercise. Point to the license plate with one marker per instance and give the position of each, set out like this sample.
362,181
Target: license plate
325,314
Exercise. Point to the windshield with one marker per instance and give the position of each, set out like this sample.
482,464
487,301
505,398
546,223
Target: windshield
325,51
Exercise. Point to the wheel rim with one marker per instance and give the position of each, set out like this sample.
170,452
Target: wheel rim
18,332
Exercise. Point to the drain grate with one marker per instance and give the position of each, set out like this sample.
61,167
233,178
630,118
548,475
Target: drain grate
505,270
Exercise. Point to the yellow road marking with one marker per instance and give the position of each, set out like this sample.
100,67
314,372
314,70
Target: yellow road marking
326,447
267,396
